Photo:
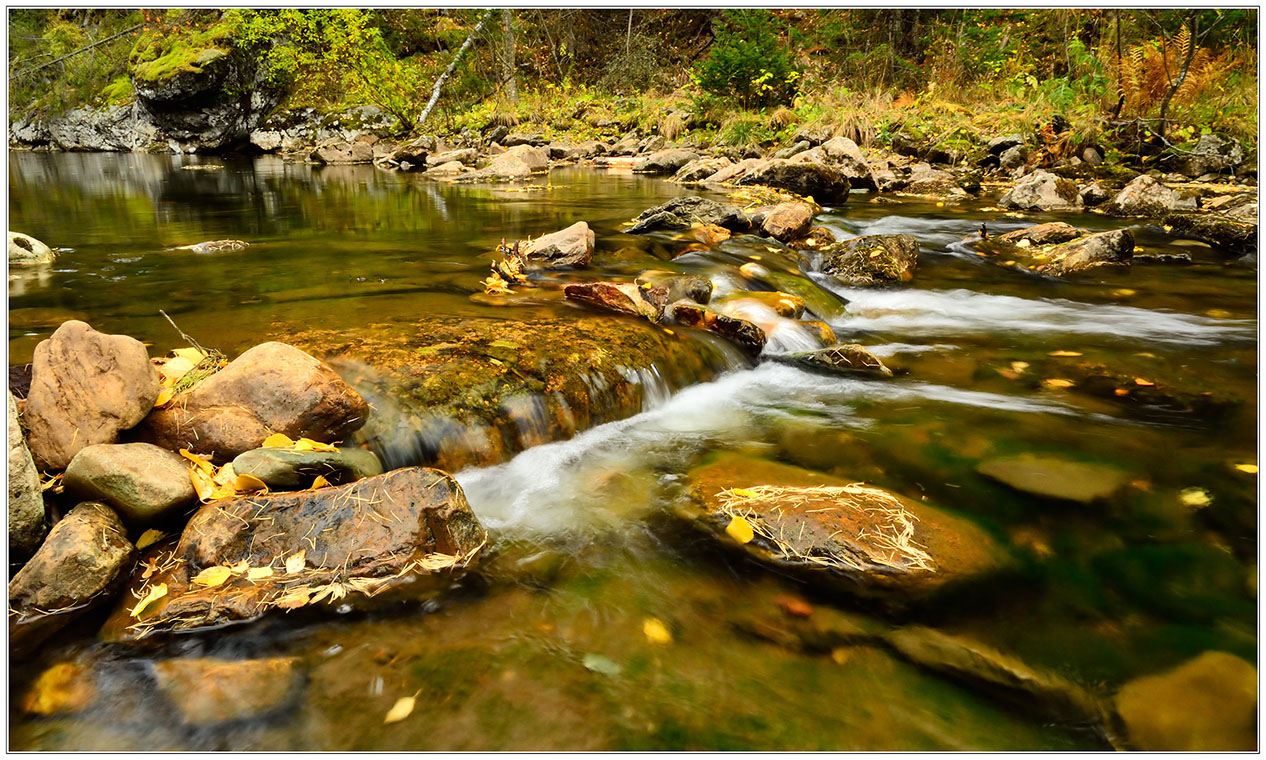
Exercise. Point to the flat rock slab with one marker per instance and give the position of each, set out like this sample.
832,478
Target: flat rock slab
862,539
286,468
355,539
207,691
1208,704
142,482
271,388
845,358
1007,678
689,211
86,387
1054,478
81,563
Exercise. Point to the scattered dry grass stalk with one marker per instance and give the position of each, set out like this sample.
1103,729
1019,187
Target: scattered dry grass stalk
884,538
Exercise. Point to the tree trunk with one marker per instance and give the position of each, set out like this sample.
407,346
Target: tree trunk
439,83
1188,55
628,37
507,64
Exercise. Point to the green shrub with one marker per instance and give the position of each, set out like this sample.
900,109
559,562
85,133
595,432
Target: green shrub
746,61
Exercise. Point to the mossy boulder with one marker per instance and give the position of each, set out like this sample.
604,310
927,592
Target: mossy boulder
859,539
872,260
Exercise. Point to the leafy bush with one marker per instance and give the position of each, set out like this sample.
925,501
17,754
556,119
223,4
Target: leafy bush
746,61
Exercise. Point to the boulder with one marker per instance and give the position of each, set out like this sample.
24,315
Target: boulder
823,183
82,562
815,239
1231,228
140,481
846,358
652,144
666,161
461,155
24,249
1208,704
788,221
1042,191
449,169
924,180
1114,248
415,152
625,146
999,145
872,260
1091,156
207,691
999,675
289,469
1211,154
26,501
271,388
519,138
688,211
1054,477
341,542
791,150
662,288
1043,234
733,171
343,153
701,169
86,387
1144,196
742,333
1013,158
855,538
584,149
1093,193
569,247
621,298
850,160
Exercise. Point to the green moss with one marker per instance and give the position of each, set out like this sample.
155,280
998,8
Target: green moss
118,91
156,58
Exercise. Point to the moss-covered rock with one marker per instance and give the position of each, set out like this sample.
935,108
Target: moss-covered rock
872,260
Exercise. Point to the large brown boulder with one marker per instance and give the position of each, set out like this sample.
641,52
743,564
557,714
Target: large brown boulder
1105,249
570,247
857,538
788,221
207,691
872,260
358,540
26,501
84,559
666,161
701,169
1042,191
619,297
689,211
824,183
86,387
1144,196
271,388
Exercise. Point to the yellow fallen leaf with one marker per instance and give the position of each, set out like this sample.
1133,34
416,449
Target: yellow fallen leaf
256,573
1218,313
1123,292
192,355
1057,382
165,396
401,709
1019,367
740,530
202,484
1143,381
156,592
1251,469
1195,497
295,562
278,441
149,537
746,493
1121,392
841,655
225,476
319,482
174,369
307,444
201,463
656,632
249,484
1064,353
240,568
212,576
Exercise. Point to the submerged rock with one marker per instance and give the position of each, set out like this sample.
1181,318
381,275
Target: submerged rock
1208,704
358,539
24,249
1054,478
872,260
207,691
142,482
82,562
783,304
1000,675
689,211
287,468
848,358
742,333
271,388
822,303
662,288
858,538
822,182
26,501
1145,196
217,246
64,689
86,387
1140,384
1042,191
461,392
570,247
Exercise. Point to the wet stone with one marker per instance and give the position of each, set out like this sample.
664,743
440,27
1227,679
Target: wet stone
742,333
847,358
872,260
207,691
834,533
822,182
286,468
1208,704
1054,478
783,304
142,482
570,247
662,288
684,213
618,297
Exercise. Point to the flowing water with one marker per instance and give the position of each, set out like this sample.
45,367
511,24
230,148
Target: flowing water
547,650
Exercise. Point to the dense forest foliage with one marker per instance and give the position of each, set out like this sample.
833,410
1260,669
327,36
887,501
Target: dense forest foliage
1131,80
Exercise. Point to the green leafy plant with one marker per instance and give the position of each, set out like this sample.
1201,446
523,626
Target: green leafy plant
746,61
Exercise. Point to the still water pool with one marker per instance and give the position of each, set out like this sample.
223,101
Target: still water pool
547,649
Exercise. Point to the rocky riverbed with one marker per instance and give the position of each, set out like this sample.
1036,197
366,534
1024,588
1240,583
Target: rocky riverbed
911,417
